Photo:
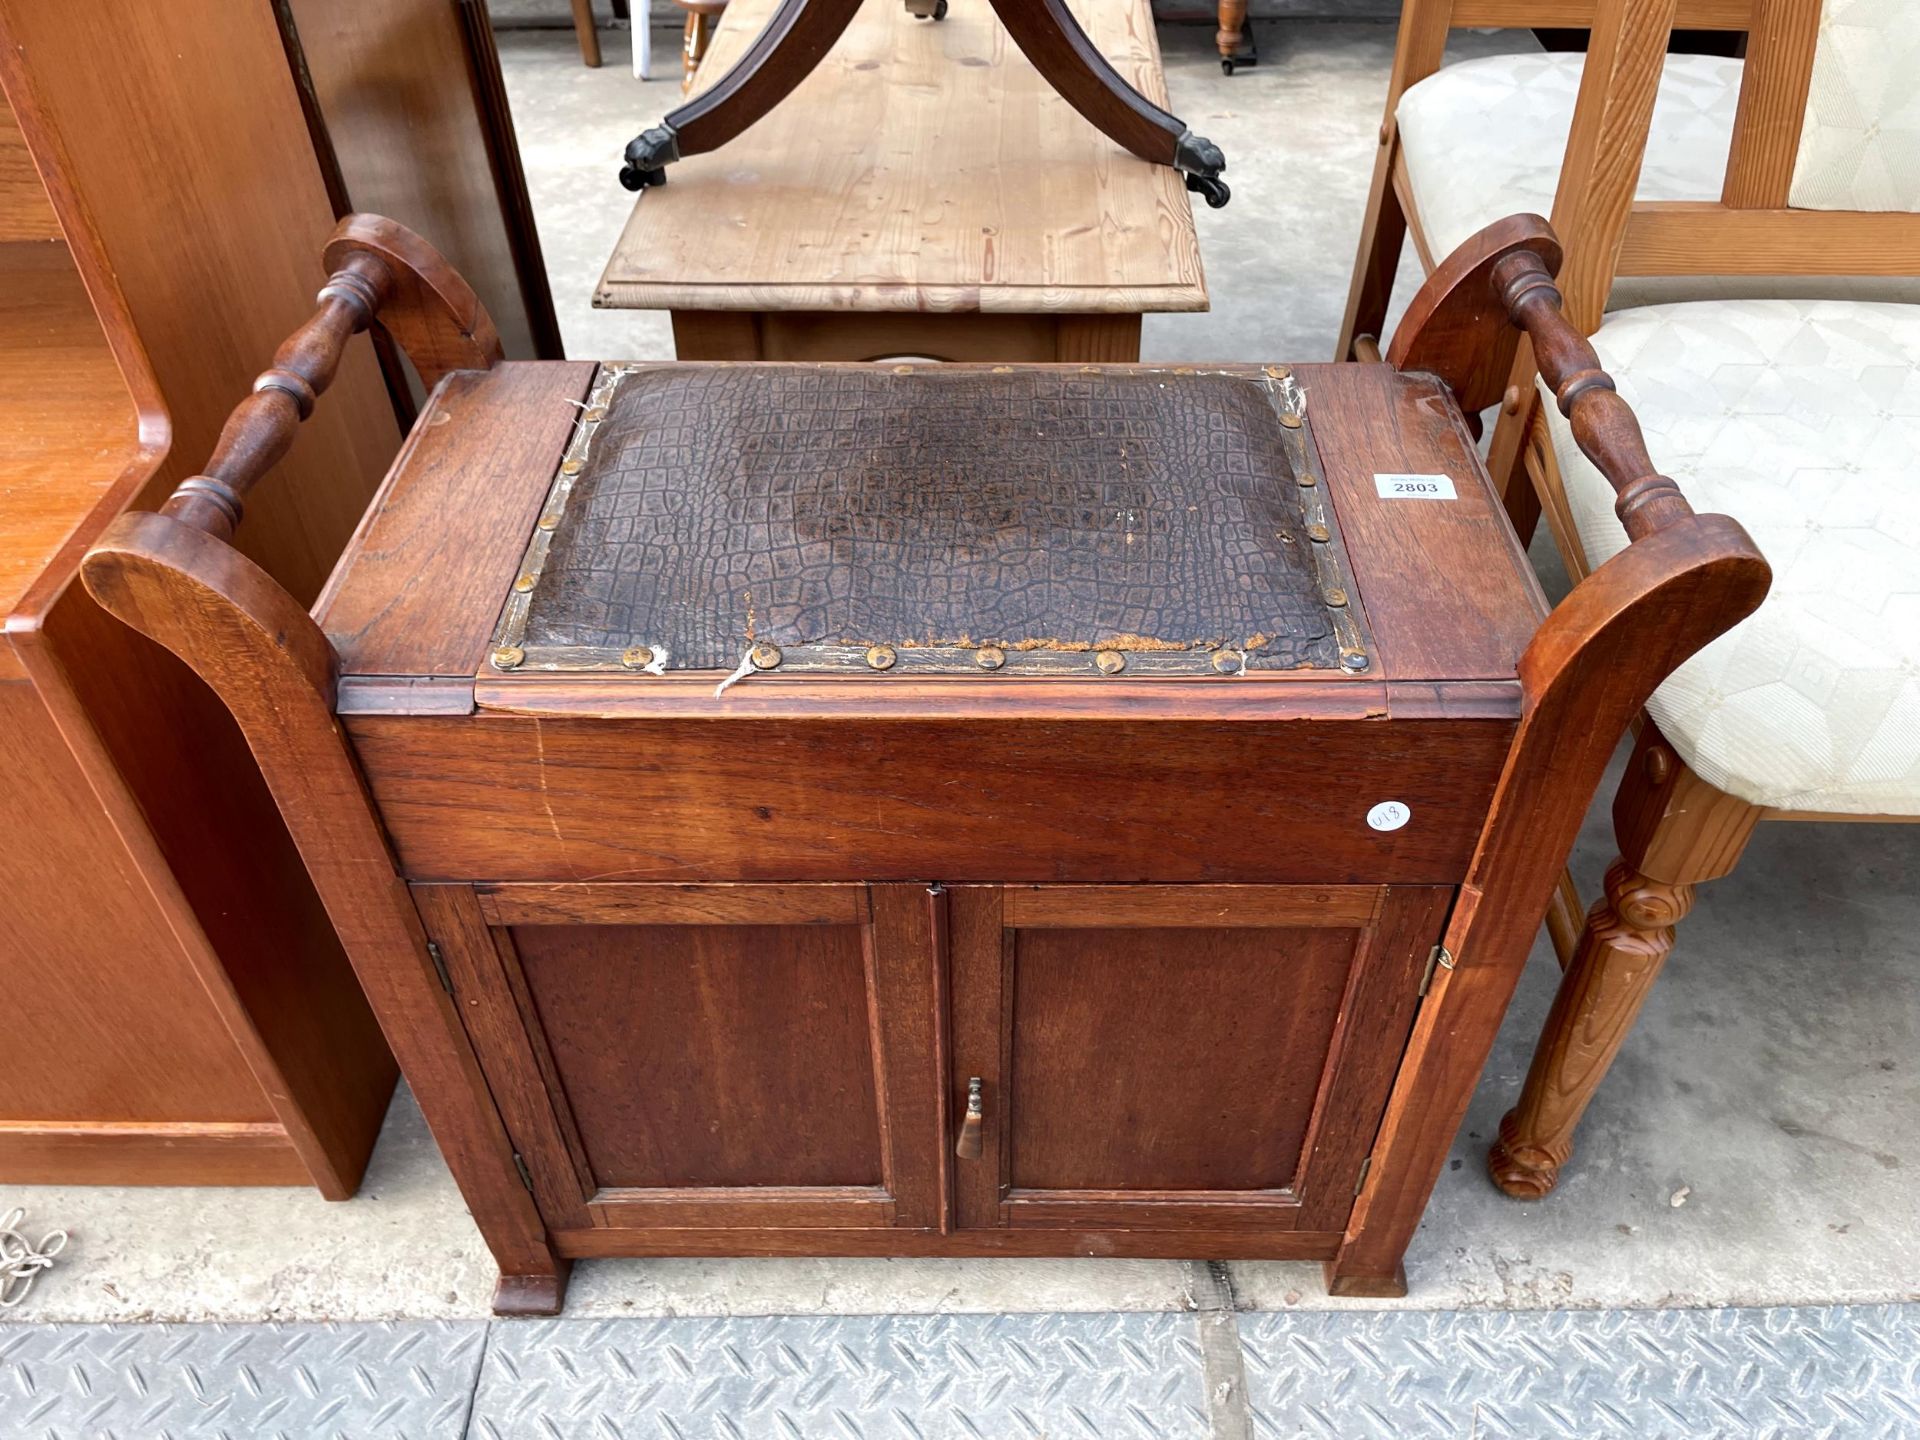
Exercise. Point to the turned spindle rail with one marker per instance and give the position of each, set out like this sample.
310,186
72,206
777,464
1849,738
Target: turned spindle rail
1603,424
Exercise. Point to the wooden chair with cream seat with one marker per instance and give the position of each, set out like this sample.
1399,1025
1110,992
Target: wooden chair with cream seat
1797,413
1464,144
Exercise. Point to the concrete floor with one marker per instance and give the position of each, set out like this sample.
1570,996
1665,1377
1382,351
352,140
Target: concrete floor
1775,1076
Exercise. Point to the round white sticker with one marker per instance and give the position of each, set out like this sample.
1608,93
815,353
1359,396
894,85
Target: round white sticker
1388,815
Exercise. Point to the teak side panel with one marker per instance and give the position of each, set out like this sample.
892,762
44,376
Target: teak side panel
519,798
120,1028
407,92
424,577
233,887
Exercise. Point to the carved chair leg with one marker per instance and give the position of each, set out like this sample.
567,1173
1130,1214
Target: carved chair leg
693,47
1675,831
1629,935
1052,40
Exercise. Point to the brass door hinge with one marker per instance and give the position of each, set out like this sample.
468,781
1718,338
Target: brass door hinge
440,966
1360,1181
526,1176
1438,958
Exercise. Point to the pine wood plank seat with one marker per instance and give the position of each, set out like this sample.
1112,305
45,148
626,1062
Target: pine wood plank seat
1800,416
1465,143
924,192
924,810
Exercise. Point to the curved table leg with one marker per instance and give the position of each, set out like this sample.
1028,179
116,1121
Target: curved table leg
795,40
1059,49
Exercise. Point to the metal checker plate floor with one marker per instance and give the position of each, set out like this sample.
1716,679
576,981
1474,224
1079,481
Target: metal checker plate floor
1785,1374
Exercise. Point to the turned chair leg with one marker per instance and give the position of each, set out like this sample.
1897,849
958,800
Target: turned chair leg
1233,24
1629,935
693,48
1675,831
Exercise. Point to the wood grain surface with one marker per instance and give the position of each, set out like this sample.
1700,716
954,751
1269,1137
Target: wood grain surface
1117,1087
922,166
407,92
1077,799
70,427
25,213
424,579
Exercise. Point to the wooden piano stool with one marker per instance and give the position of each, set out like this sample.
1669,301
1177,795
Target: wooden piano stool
915,810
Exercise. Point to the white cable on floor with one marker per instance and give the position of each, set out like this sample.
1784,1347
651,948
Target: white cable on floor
21,1263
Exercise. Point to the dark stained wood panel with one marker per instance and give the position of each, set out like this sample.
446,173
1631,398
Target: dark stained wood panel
415,119
1169,1059
711,1055
1447,592
518,798
420,588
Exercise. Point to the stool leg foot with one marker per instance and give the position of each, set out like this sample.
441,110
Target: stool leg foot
536,1294
1384,1285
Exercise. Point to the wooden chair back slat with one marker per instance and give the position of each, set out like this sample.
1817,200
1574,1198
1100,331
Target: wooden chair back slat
1578,14
1773,104
1606,144
1752,230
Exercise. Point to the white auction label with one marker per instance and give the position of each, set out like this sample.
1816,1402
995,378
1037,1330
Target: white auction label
1388,815
1415,487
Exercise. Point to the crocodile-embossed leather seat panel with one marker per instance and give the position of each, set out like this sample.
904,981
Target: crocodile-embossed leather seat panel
1044,511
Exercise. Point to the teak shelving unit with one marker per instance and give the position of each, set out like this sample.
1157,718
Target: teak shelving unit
184,1013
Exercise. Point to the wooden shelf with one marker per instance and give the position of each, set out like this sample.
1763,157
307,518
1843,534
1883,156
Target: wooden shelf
69,424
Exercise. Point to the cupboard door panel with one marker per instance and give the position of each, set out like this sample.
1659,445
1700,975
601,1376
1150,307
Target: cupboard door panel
1179,1056
711,1055
1169,1059
698,1057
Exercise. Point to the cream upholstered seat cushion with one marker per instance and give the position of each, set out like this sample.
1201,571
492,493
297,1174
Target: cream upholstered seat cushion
1801,419
1485,138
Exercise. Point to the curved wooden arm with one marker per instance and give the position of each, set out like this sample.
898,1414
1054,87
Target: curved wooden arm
381,271
1603,424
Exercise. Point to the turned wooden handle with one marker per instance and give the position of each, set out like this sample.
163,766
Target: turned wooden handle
967,1147
1603,424
261,428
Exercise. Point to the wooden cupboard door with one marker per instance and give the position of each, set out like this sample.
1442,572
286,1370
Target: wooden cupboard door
1194,1057
707,1056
